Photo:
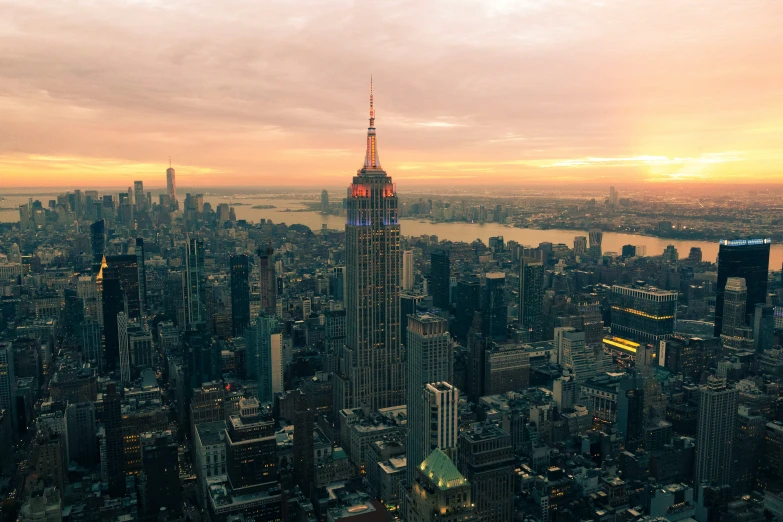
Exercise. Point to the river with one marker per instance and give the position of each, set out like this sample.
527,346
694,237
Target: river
612,242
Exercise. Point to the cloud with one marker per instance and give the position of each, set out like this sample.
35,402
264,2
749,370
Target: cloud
277,92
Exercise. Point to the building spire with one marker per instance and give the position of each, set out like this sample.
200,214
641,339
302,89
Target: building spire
371,160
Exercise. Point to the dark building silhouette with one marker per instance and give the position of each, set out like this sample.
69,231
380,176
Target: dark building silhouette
531,299
142,277
268,286
408,305
486,459
161,474
240,294
98,244
629,251
630,411
748,259
125,268
115,458
193,283
113,304
467,302
304,418
440,276
494,312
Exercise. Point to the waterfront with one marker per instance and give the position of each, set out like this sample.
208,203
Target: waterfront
612,241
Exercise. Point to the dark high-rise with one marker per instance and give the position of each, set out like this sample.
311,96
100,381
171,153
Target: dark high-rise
748,259
268,286
125,268
142,274
240,294
531,299
161,474
113,304
467,302
193,284
98,244
494,312
440,275
115,459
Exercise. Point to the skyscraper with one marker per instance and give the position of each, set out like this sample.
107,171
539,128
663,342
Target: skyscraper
98,244
192,287
429,361
440,276
265,356
112,420
138,194
372,370
125,269
763,327
494,312
717,421
324,201
122,336
596,238
7,380
531,299
268,286
468,300
142,275
735,332
240,294
746,258
171,186
407,270
580,245
486,459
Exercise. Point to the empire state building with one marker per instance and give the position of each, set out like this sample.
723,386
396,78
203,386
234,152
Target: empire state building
372,371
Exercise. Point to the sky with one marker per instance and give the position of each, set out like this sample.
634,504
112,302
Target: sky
473,92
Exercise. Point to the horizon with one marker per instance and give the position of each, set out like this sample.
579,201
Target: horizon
588,92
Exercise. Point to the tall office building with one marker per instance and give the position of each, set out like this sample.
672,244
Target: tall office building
440,276
268,284
748,259
735,331
429,361
7,381
193,284
264,348
717,421
596,238
763,327
115,461
531,299
304,420
142,277
372,370
98,244
171,186
324,201
81,435
468,300
613,196
494,312
138,194
251,448
161,473
486,459
630,411
122,336
112,304
125,269
643,313
407,270
240,293
580,245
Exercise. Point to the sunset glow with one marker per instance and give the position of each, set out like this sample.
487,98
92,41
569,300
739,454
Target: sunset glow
274,93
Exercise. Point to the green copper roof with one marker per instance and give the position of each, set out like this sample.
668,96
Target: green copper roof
442,471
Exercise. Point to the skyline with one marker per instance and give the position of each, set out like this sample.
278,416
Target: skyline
272,95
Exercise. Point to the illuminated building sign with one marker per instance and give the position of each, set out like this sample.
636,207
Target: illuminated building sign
624,345
745,242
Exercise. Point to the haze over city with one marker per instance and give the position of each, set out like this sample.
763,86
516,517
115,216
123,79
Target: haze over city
274,93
